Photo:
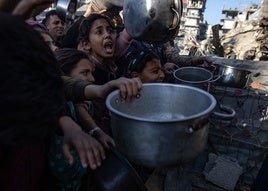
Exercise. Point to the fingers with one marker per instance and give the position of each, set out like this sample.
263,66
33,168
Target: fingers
82,152
90,152
129,88
209,64
169,67
108,142
93,156
105,140
67,154
111,141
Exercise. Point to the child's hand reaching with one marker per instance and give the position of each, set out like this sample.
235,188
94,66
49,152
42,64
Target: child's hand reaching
105,139
90,151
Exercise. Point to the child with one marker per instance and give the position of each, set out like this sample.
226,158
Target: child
48,39
97,37
145,65
76,64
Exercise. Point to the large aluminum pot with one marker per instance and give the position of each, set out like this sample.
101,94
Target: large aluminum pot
166,125
154,21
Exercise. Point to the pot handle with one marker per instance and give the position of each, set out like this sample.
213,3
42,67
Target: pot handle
177,22
215,78
194,127
254,75
230,113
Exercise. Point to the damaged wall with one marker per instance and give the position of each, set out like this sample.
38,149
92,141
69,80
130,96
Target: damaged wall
248,41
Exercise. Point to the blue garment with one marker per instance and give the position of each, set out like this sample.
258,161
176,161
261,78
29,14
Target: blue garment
69,176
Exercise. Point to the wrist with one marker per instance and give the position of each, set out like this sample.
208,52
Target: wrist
67,125
93,131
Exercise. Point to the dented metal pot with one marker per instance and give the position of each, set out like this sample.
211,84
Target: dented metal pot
155,21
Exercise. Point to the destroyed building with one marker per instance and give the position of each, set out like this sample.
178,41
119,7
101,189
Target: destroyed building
247,38
193,27
242,33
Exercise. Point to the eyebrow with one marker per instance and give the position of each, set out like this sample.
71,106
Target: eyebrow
102,26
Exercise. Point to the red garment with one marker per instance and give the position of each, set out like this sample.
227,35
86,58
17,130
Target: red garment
22,167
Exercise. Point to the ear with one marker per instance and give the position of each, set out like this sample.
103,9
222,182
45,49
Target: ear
134,74
84,45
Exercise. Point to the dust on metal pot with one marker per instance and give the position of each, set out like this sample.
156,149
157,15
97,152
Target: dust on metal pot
167,124
154,21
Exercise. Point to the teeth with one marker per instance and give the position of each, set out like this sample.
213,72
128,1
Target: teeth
109,45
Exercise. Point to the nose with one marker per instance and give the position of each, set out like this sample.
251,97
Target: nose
161,75
107,34
90,78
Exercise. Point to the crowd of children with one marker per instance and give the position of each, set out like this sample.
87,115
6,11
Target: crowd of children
54,122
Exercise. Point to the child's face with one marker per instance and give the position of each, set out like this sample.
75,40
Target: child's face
152,72
50,42
83,71
102,39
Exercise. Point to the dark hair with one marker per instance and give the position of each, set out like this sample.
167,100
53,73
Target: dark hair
86,25
48,14
31,94
137,60
68,58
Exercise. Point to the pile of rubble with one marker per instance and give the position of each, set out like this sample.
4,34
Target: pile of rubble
248,40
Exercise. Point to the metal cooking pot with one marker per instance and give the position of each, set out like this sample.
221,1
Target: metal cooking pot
116,173
166,125
193,76
66,8
154,21
232,76
202,78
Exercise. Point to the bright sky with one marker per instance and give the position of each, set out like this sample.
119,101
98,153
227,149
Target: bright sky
214,8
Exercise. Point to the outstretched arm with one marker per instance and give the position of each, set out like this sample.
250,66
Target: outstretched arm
88,124
129,88
25,8
78,90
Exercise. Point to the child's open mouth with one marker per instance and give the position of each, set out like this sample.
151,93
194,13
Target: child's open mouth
109,47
